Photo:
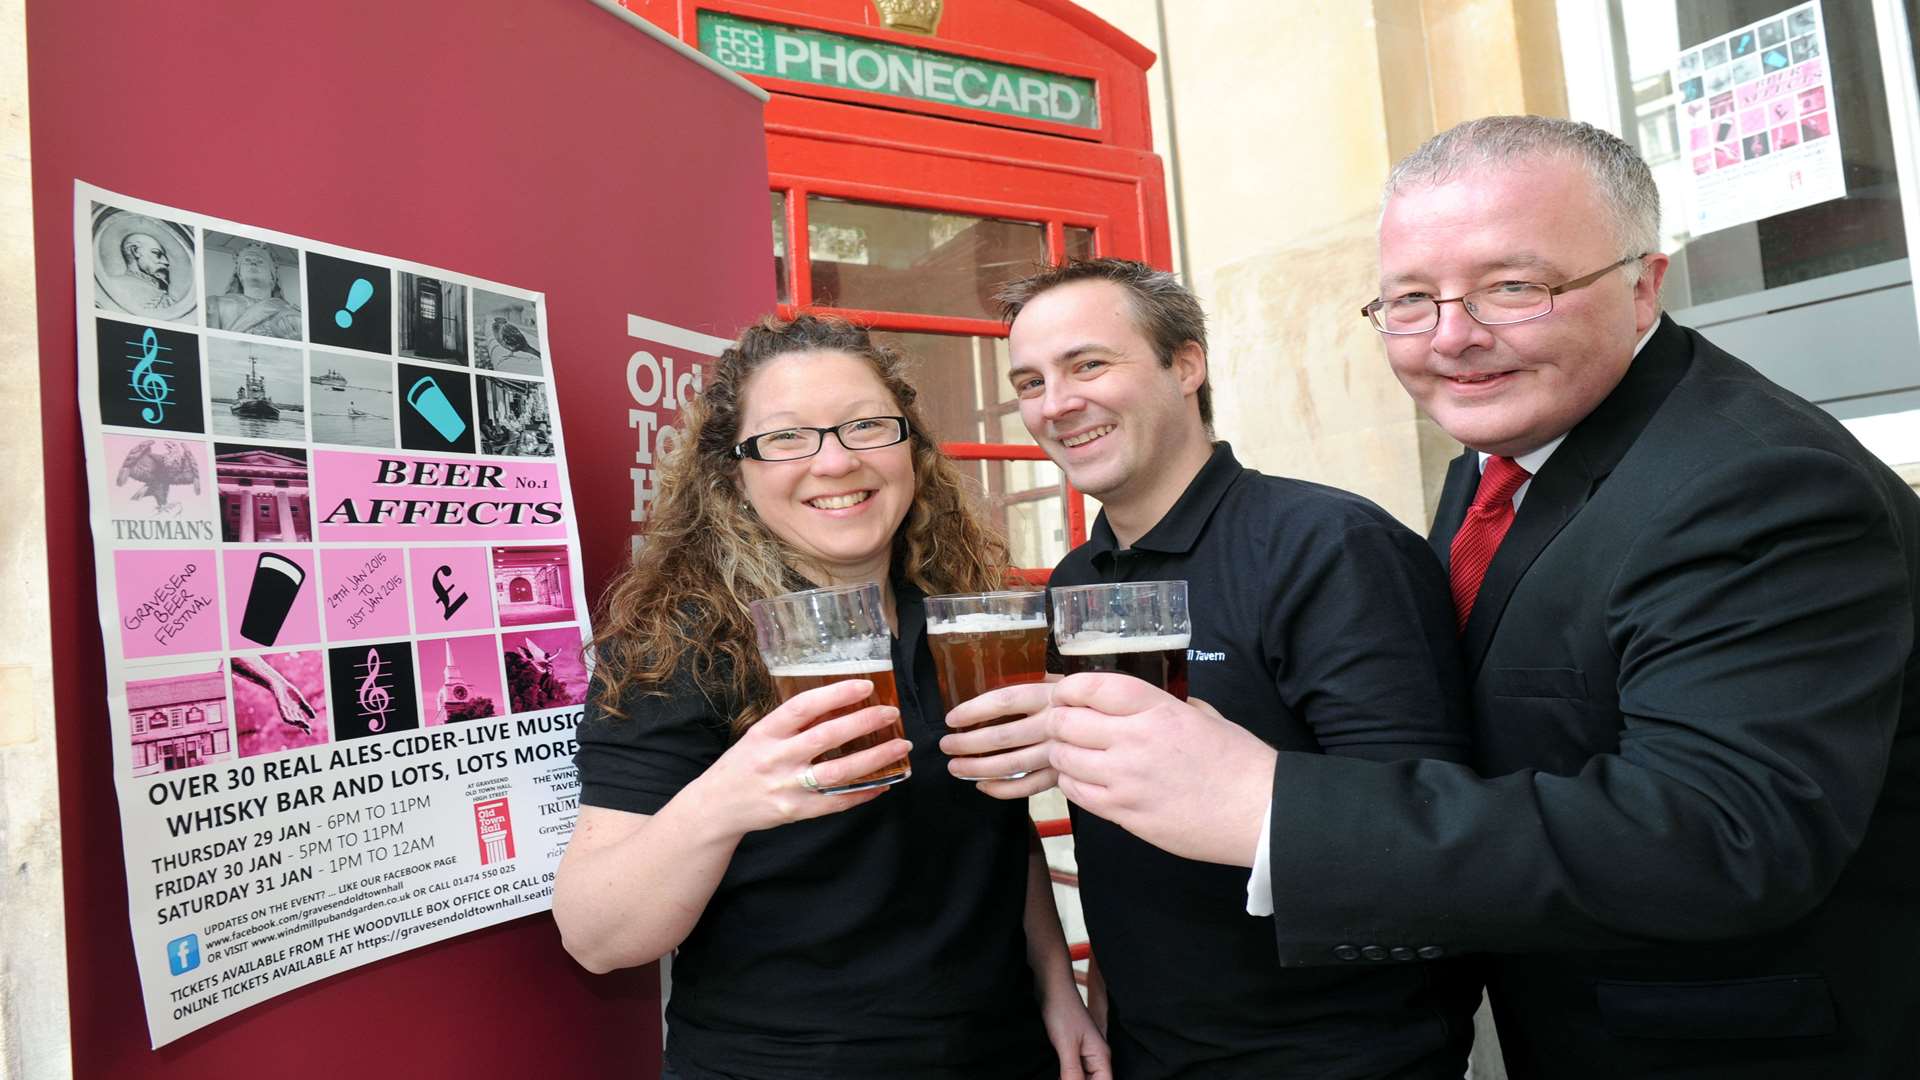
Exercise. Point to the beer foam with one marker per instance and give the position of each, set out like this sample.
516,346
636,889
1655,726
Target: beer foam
845,669
1106,643
986,622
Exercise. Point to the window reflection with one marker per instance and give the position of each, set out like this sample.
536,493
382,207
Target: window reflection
888,258
965,397
1863,229
778,201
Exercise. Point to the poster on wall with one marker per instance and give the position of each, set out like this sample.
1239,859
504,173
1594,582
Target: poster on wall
1757,121
340,593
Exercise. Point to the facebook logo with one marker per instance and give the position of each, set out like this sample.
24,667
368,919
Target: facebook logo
183,954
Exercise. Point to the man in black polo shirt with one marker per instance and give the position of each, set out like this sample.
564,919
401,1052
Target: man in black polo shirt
1319,624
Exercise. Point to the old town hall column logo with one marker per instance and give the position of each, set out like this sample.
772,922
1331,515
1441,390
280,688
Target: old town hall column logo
373,689
149,378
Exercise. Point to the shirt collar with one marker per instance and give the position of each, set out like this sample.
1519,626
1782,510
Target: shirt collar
1179,528
1535,460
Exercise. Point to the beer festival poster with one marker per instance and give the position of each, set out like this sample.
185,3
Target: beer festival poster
340,597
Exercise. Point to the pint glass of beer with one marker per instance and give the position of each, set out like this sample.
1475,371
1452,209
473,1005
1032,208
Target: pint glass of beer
1137,628
822,636
983,641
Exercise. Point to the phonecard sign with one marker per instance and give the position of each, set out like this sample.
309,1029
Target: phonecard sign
340,596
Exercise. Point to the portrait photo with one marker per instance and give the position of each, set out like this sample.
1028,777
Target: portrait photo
253,287
143,266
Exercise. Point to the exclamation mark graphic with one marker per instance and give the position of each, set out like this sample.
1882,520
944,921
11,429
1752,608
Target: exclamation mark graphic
357,296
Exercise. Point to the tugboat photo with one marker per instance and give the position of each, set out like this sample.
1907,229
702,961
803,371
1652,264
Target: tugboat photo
251,400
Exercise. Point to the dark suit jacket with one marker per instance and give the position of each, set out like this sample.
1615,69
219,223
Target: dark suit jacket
1696,846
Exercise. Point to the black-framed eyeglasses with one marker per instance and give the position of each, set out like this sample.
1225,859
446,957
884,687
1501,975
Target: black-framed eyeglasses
794,443
1495,305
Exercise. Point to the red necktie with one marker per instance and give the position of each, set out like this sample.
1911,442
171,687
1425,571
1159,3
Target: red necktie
1480,534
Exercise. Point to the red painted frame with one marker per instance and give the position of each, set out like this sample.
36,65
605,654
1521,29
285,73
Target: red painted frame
876,148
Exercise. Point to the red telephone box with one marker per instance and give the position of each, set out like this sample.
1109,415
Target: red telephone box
928,152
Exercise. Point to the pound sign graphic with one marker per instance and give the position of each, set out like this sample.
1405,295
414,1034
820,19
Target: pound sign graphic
442,592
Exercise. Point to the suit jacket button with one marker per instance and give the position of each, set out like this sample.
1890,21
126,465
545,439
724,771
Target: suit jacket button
1431,952
1374,952
1346,952
1402,953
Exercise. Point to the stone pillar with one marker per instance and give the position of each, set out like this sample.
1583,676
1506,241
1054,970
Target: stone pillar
34,1033
247,512
1279,225
283,510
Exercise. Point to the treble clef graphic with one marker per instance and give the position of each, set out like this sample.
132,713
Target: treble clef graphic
374,698
149,385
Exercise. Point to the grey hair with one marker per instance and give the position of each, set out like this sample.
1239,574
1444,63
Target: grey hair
1620,176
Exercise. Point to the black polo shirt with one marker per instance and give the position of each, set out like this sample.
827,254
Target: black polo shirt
1319,624
881,942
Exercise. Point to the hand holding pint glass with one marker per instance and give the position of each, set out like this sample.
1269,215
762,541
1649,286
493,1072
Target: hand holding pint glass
821,636
984,641
1137,628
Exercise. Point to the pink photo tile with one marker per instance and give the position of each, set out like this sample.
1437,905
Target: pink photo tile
280,701
460,679
452,589
364,593
177,717
169,602
270,597
544,668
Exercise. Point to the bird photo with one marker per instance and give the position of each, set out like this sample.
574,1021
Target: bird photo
506,334
157,466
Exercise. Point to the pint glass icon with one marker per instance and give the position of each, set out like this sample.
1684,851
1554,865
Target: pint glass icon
1138,628
983,641
276,584
431,403
822,636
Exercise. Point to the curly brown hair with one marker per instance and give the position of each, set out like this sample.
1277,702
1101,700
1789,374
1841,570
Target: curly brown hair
681,603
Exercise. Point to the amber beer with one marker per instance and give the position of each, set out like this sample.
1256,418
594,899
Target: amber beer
977,653
974,654
1137,628
1161,660
797,678
985,641
823,636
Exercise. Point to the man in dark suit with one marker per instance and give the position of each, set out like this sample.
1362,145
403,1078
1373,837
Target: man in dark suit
1687,601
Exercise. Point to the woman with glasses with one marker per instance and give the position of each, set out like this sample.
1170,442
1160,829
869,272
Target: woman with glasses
904,931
